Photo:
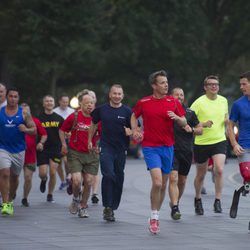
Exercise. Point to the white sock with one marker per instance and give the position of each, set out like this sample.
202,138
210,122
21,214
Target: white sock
154,215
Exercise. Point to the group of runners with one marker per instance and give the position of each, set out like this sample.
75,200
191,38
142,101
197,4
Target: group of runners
171,134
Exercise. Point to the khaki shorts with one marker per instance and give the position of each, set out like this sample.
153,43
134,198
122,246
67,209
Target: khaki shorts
83,162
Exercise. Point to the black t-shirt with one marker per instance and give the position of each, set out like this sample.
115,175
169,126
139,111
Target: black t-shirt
51,123
184,140
113,121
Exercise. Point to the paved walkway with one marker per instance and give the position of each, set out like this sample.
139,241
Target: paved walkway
51,226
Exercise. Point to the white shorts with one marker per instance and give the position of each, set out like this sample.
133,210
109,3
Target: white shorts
13,161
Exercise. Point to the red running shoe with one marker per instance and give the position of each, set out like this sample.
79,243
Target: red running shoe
154,226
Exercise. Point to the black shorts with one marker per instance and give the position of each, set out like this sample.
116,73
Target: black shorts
203,152
182,162
44,156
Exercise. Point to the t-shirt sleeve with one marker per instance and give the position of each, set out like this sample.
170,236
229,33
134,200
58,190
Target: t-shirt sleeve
96,115
40,129
99,129
234,114
195,107
179,109
61,121
195,120
128,117
137,110
67,123
226,106
97,134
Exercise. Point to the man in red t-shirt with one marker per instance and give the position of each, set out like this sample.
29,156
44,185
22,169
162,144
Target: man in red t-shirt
30,154
158,112
82,163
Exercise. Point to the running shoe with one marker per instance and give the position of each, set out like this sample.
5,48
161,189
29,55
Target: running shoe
108,214
11,208
68,180
7,209
154,226
94,198
73,208
25,202
50,198
83,213
63,185
69,188
43,185
198,206
203,190
217,206
175,213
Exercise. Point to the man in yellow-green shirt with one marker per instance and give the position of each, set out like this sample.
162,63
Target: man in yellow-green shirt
212,111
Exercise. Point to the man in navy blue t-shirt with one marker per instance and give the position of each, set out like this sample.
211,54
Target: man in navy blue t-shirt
114,142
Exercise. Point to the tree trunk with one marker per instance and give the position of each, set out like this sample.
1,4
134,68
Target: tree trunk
53,83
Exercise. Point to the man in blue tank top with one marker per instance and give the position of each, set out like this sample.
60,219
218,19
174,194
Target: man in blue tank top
14,123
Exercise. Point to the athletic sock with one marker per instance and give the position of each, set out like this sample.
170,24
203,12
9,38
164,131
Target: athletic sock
154,215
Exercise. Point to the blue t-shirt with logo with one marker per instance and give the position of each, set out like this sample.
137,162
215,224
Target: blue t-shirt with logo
113,121
240,113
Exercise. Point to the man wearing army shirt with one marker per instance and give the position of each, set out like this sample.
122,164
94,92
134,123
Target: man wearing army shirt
51,154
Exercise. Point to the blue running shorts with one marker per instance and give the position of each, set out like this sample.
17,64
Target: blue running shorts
159,157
